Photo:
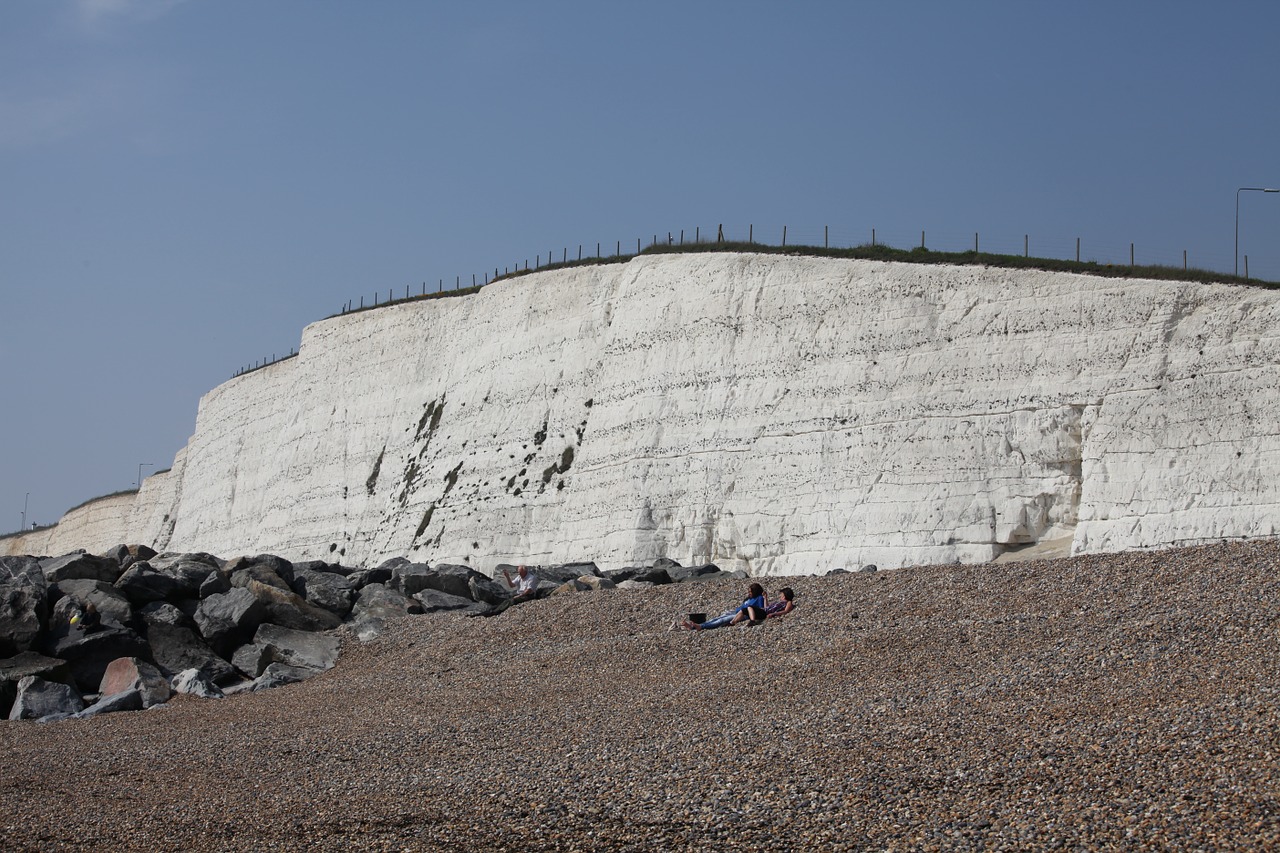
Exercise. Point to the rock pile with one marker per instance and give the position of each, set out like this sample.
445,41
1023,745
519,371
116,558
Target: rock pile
83,634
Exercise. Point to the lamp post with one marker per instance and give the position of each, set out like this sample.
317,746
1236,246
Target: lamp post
1243,190
24,510
140,464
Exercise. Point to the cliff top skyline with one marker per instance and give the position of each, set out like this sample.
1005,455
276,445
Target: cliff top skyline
188,184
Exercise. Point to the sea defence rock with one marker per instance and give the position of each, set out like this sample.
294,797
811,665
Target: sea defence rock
763,413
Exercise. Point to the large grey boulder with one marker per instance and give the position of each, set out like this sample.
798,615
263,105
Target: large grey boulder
278,566
24,605
171,558
434,601
328,590
487,591
680,573
217,582
37,698
640,574
144,582
176,648
88,653
363,577
18,667
125,674
194,683
127,555
553,575
228,619
322,566
285,607
382,602
109,601
126,700
452,579
243,574
410,578
279,674
80,565
297,648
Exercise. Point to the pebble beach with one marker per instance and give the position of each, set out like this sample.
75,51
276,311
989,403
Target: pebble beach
1116,701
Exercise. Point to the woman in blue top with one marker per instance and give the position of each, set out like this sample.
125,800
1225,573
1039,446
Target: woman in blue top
752,608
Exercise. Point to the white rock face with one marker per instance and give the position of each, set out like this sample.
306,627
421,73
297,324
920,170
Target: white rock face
768,413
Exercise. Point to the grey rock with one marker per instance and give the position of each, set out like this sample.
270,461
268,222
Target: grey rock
279,674
194,683
217,582
24,607
641,574
297,648
382,602
128,700
482,589
410,578
687,573
177,648
452,579
324,589
89,654
18,667
109,601
38,698
228,619
143,582
164,561
285,607
364,577
131,674
164,613
241,578
434,601
80,565
322,566
251,659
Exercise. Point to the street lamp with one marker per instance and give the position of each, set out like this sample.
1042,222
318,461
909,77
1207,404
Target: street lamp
24,510
1242,190
140,464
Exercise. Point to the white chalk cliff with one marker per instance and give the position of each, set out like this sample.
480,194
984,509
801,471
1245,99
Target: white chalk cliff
771,413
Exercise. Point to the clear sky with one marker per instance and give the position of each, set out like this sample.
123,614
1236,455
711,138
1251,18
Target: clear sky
185,185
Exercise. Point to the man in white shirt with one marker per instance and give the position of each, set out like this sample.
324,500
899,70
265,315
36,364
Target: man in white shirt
526,584
526,589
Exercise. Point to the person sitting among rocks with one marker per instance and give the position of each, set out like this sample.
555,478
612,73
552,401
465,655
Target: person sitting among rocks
88,619
526,589
752,610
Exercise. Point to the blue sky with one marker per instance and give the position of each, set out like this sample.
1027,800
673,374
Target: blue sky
185,185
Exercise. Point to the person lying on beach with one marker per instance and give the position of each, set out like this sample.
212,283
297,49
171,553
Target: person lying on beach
752,609
784,605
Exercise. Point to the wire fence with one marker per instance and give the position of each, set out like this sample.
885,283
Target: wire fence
1097,253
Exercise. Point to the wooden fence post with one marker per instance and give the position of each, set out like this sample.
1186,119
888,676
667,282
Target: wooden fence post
1026,242
975,242
873,238
826,243
1131,254
1077,250
751,233
784,236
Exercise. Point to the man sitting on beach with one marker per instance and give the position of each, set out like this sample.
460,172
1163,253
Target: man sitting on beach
526,589
526,584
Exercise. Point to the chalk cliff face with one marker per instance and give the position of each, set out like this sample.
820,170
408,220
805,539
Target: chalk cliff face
771,413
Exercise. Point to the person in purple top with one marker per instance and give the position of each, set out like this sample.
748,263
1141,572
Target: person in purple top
784,605
752,609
